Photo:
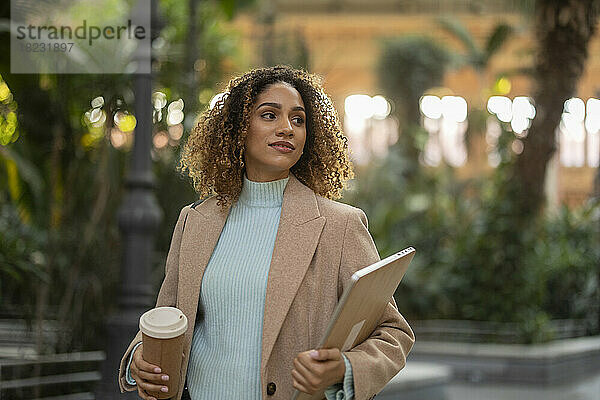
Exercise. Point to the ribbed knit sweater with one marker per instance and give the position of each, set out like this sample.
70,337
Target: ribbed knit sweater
226,345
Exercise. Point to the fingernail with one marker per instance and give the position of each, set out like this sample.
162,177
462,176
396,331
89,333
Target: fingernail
165,377
157,370
314,354
164,389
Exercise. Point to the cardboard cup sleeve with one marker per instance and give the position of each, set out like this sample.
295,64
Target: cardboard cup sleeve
163,330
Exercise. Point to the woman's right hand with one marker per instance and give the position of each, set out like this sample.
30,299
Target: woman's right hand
146,375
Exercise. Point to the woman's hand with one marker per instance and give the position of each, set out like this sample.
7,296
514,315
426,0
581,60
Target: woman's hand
146,375
316,370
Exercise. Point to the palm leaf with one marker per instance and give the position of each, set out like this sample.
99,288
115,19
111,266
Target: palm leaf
28,172
458,30
228,7
522,71
231,7
497,39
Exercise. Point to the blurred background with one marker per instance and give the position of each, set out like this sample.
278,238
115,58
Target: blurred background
474,130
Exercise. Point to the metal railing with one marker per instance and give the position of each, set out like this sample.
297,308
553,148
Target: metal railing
57,376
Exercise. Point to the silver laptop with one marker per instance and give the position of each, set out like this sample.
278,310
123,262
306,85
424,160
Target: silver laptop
362,304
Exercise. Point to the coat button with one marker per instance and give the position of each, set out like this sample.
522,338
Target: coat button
271,388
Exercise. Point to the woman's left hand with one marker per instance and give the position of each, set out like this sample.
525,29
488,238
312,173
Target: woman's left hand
316,370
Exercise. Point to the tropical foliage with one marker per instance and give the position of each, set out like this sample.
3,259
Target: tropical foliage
61,183
476,259
480,255
62,170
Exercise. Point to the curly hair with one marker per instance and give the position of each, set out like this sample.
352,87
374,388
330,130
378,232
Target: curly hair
213,155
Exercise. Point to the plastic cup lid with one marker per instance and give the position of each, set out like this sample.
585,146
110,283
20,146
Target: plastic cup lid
163,322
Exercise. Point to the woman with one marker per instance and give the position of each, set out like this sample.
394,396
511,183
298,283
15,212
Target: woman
259,267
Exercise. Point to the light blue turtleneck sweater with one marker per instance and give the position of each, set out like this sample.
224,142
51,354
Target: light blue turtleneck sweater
226,345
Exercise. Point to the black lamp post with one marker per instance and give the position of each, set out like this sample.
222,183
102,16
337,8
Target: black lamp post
139,218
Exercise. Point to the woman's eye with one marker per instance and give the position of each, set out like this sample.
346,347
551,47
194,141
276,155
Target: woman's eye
298,120
268,115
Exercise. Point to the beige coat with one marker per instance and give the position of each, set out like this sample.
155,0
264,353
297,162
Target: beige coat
320,243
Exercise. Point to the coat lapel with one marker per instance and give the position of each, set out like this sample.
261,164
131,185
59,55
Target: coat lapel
300,228
201,232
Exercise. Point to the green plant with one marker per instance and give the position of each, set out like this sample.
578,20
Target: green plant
408,66
568,254
22,258
476,258
61,180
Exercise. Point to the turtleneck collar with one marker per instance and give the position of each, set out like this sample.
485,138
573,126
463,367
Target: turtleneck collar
263,194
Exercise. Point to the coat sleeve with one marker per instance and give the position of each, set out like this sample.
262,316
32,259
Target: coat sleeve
167,296
383,354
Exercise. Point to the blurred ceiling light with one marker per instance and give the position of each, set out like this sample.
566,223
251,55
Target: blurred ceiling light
176,105
494,159
593,106
432,154
593,149
451,138
496,103
381,107
124,121
431,106
98,102
445,122
522,107
517,146
502,86
160,139
493,131
592,119
175,117
118,118
359,106
572,127
157,116
519,125
579,137
176,131
199,65
492,134
96,117
519,112
592,123
575,107
431,124
454,108
117,138
159,100
175,114
158,43
369,127
501,106
4,91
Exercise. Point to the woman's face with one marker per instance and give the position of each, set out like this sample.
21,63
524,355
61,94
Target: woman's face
278,115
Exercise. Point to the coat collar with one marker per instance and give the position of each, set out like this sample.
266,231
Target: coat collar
300,228
299,205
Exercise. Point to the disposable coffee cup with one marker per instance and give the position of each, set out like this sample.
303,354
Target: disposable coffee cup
163,330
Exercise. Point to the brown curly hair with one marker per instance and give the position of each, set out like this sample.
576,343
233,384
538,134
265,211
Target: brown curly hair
213,155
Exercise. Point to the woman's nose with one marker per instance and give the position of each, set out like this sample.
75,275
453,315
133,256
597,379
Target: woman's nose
286,128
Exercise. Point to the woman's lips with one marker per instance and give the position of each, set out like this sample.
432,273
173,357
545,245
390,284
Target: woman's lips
281,149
